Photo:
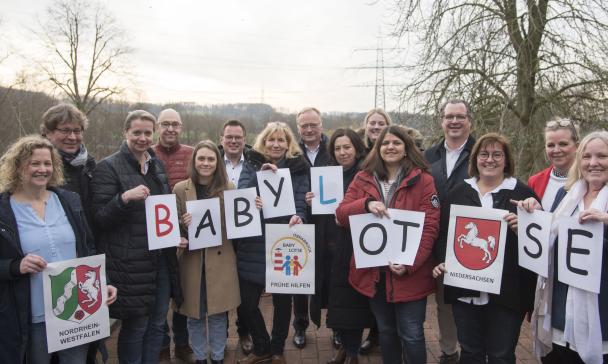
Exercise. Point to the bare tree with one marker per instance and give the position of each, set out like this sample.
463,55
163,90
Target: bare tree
85,52
515,60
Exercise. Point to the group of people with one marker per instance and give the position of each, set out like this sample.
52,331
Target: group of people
58,204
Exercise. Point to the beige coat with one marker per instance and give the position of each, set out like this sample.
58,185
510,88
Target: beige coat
221,277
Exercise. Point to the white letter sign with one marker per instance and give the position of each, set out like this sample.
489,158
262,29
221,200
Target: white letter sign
75,309
242,217
327,185
276,192
376,241
205,230
579,253
162,222
290,259
533,231
475,248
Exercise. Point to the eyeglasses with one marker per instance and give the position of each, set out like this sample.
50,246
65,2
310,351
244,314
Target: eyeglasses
458,117
68,131
167,125
230,138
497,156
564,123
310,126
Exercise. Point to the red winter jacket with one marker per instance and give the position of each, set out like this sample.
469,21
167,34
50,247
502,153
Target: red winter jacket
538,182
175,159
417,193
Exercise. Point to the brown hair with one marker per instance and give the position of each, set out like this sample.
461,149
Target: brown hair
489,139
219,182
233,123
413,159
62,113
13,161
355,140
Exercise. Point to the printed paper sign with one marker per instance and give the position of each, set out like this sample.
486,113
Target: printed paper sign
242,217
206,227
276,192
75,295
162,221
579,253
533,230
378,241
290,259
475,248
327,185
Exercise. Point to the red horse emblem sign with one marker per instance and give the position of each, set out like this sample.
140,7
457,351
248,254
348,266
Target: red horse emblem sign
476,242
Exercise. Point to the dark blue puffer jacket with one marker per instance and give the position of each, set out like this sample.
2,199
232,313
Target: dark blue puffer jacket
250,252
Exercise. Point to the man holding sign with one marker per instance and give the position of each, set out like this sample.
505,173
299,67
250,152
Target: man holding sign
449,160
395,175
314,145
488,324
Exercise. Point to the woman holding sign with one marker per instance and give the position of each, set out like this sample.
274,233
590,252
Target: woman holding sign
39,224
570,322
278,144
145,278
348,311
395,176
208,276
488,325
561,141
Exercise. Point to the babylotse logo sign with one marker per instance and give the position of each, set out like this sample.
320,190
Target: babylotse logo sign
76,293
476,243
290,255
290,259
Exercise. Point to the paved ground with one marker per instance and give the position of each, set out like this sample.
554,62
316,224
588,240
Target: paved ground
319,349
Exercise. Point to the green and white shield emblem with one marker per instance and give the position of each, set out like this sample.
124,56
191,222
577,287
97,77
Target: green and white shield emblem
76,293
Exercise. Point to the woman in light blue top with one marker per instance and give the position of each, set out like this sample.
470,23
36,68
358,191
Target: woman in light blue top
39,224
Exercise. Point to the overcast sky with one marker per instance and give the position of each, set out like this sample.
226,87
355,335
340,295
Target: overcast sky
286,53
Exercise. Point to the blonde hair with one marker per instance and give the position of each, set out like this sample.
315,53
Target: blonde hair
377,110
293,149
16,157
574,174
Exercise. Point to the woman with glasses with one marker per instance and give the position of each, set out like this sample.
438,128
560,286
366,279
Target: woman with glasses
64,126
488,325
561,141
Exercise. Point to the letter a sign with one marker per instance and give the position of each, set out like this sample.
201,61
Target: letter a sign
162,222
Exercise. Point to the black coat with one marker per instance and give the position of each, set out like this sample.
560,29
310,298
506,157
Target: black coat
122,234
346,308
251,251
15,306
518,284
435,155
